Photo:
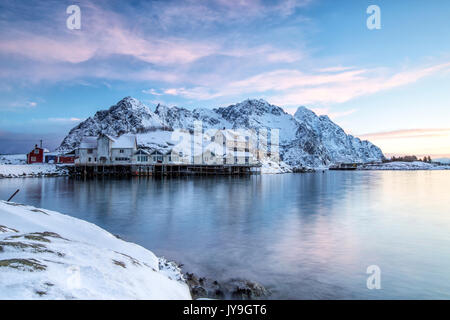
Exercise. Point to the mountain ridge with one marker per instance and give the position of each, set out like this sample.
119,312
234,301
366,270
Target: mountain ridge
306,139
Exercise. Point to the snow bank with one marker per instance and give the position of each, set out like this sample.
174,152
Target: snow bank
31,170
48,255
399,165
272,167
13,159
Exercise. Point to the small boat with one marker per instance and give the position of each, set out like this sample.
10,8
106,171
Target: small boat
344,166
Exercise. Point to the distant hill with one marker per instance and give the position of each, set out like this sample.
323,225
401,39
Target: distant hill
442,160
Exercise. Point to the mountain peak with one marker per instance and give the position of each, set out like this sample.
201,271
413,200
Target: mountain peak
303,111
130,103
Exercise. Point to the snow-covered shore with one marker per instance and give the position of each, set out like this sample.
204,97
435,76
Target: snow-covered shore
15,166
399,165
48,255
32,170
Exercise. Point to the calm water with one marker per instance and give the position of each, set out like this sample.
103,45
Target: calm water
303,236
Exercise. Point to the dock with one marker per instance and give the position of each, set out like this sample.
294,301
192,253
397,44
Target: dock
123,170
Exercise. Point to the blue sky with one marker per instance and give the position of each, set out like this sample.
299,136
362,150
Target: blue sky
388,85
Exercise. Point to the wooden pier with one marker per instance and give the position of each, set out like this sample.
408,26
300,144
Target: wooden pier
123,170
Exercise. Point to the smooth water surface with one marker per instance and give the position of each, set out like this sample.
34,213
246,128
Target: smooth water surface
303,236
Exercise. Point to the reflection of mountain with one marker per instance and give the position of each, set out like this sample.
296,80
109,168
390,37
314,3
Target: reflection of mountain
305,138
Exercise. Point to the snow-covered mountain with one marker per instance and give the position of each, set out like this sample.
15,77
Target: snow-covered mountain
129,115
306,139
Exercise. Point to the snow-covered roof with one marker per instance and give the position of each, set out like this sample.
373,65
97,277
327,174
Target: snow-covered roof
239,154
142,151
156,152
126,141
88,143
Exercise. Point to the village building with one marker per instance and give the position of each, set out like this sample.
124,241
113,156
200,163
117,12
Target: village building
36,155
220,147
105,149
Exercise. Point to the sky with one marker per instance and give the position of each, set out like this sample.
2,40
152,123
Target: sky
388,85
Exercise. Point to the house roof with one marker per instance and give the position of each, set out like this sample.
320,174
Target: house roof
126,141
156,152
88,143
142,151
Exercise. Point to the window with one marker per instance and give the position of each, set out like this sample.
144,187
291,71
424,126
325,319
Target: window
33,159
36,151
170,158
142,158
89,159
213,138
235,149
95,159
180,154
224,160
90,151
154,158
235,160
122,159
246,160
121,151
247,150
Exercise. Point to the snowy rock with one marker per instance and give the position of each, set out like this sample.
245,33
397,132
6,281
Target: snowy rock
48,255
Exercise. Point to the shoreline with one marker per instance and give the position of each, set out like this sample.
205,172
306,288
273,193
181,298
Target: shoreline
60,170
41,244
49,255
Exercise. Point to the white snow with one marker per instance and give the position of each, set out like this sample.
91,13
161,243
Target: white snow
399,165
273,167
61,257
13,159
31,170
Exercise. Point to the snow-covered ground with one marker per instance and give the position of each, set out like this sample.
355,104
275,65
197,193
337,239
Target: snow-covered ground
48,255
31,170
399,165
13,159
273,167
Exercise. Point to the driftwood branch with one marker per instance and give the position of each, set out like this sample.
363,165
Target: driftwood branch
10,198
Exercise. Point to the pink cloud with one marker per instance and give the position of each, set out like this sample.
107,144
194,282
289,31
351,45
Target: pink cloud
407,133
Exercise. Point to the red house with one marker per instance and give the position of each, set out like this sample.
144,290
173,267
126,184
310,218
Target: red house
66,159
36,155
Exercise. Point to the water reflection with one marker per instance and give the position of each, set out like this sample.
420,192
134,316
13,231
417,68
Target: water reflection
301,235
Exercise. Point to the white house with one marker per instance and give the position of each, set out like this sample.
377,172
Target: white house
221,147
105,149
87,151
